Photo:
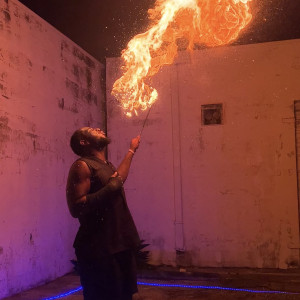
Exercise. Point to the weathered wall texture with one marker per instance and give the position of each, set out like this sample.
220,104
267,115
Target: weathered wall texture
222,195
48,88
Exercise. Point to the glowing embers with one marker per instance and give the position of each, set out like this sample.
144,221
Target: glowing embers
208,22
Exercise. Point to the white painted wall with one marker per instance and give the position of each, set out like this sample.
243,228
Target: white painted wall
225,194
49,87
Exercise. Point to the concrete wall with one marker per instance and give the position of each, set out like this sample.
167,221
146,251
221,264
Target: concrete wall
221,195
48,88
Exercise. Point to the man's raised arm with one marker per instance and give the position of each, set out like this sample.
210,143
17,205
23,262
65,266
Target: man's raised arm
124,167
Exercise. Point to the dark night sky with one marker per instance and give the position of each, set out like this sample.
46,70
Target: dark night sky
104,27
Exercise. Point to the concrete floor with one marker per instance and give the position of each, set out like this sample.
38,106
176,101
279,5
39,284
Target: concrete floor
210,279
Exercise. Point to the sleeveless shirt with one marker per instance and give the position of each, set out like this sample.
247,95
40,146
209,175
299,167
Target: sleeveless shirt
109,229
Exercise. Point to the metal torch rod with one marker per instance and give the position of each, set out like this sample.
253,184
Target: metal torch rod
145,120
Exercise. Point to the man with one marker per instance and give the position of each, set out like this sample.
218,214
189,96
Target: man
107,236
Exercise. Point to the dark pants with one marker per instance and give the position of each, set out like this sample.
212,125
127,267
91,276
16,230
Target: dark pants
111,278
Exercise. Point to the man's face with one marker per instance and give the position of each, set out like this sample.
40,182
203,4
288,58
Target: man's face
96,137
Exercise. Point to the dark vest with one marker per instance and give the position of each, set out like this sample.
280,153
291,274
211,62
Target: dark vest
109,229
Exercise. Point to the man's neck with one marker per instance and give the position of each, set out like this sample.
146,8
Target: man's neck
99,154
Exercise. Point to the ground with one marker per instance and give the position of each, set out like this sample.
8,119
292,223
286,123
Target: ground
212,284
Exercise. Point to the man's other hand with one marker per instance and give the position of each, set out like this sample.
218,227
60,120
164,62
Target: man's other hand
135,142
115,182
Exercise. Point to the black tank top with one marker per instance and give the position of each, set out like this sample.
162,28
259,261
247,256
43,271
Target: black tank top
109,229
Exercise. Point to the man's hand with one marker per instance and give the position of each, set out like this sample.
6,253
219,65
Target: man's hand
115,182
135,142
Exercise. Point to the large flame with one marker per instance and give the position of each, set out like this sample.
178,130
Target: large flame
208,22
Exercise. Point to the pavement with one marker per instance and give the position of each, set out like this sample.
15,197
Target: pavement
168,283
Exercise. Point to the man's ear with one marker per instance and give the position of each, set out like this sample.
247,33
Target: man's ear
84,142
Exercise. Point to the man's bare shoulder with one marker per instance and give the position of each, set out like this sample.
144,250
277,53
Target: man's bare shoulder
79,170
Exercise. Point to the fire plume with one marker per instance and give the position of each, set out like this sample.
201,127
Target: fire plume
207,22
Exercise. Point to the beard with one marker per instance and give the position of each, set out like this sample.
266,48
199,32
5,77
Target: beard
99,142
